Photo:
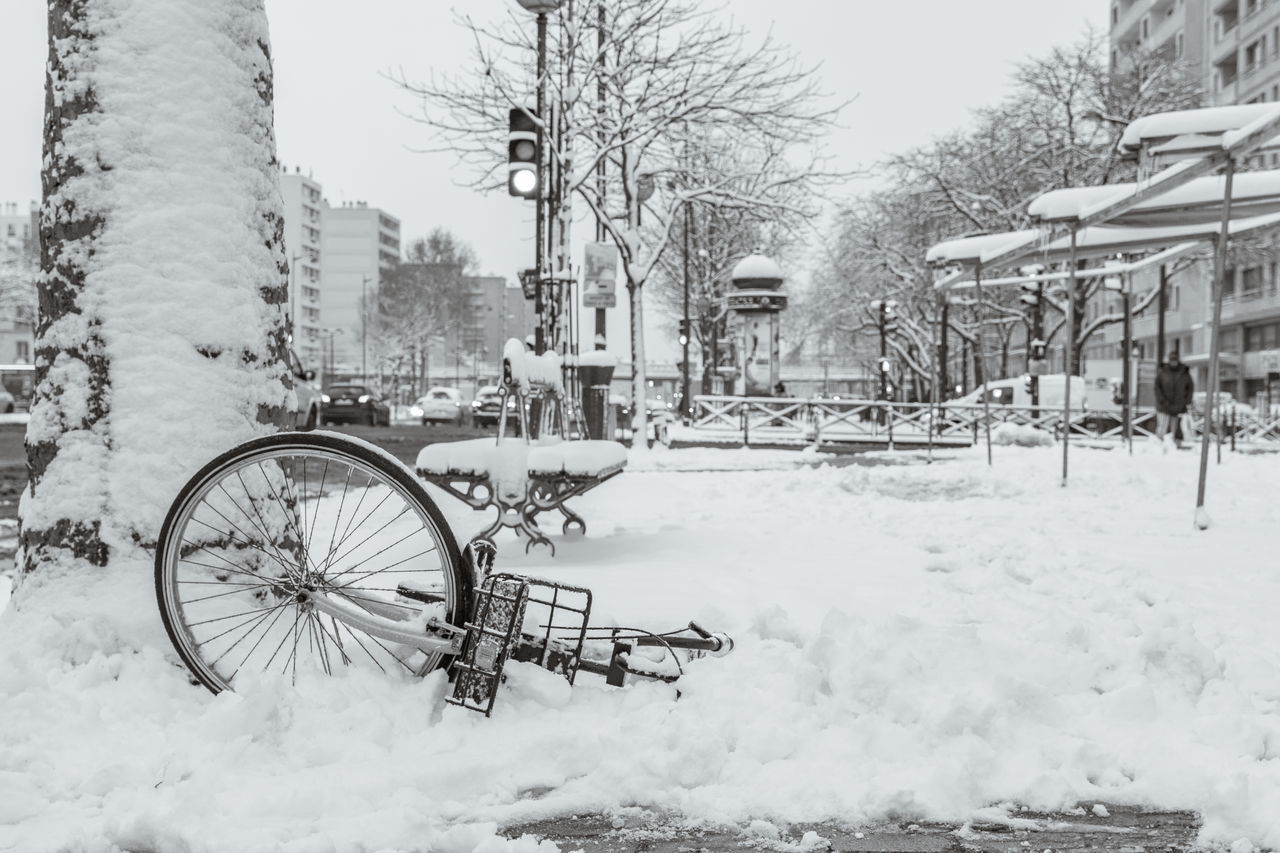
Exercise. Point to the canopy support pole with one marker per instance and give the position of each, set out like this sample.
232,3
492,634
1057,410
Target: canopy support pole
935,419
982,360
1070,353
1202,520
1126,384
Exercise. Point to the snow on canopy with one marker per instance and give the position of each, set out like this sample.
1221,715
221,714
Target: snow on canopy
1252,193
1206,120
1100,241
974,249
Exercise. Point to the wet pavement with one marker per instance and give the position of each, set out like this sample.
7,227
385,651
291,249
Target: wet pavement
1093,828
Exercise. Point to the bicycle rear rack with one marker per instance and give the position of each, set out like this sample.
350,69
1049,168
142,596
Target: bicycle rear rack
537,621
504,604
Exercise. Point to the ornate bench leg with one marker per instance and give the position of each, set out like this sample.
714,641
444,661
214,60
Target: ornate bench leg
530,528
571,520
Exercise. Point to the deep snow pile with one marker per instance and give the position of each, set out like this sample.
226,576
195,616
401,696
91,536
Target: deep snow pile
926,640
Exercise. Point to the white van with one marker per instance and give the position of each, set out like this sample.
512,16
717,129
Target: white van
1013,392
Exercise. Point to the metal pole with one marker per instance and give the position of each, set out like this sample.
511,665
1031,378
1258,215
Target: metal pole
1126,381
1069,357
1211,386
883,396
364,338
943,378
600,335
688,329
986,405
1162,305
934,414
539,338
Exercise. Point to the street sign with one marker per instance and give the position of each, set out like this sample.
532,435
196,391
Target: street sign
599,277
529,283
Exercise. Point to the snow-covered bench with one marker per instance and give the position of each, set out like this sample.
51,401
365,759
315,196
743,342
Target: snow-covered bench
521,477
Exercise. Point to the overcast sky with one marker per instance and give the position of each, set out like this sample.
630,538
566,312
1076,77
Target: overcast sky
916,68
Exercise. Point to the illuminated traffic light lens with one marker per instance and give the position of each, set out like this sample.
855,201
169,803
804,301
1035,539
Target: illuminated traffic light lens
524,180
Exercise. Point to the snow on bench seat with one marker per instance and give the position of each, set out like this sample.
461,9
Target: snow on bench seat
514,458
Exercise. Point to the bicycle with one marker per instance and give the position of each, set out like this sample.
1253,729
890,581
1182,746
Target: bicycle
304,554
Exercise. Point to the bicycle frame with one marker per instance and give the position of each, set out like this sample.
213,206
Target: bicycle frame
436,637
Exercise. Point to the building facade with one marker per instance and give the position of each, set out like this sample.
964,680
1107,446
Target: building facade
19,265
470,354
303,210
1233,46
357,243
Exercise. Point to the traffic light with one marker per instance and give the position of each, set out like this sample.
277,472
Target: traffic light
1037,350
890,318
523,144
884,366
1031,293
685,337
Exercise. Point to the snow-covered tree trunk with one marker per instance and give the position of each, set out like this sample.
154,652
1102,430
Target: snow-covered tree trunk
161,335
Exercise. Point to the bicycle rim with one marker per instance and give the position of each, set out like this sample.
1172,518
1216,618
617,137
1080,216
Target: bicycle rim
266,525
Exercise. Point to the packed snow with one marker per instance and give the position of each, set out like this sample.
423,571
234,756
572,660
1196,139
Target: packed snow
921,641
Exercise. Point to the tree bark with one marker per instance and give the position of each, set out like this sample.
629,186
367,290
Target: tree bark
70,361
118,239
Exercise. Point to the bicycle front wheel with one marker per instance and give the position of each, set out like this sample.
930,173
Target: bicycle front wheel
257,533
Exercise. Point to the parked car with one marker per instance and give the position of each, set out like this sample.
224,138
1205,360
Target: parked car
440,405
486,405
307,413
1227,405
7,403
355,404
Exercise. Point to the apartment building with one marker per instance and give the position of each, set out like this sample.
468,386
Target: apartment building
303,208
470,352
1234,48
357,242
19,261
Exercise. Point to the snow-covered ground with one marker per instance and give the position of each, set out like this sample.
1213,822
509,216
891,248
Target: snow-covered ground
935,642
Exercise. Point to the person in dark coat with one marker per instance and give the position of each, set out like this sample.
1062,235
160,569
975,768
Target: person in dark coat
1173,395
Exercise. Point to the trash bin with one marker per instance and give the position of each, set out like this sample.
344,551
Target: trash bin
596,381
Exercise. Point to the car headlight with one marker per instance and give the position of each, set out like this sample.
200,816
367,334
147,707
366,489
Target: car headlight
475,404
324,398
415,411
364,398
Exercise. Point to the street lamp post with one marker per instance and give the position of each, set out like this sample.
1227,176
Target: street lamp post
540,8
364,338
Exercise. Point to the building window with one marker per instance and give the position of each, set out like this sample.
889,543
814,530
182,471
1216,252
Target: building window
1146,27
1262,337
1115,15
23,351
1177,45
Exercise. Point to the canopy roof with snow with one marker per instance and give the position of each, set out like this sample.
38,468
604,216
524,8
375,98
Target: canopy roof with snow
1182,203
970,250
1188,130
1196,202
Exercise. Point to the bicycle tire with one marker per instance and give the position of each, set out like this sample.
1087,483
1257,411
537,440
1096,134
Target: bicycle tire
248,532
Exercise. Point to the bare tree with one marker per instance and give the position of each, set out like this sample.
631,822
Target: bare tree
669,75
418,300
1058,129
123,140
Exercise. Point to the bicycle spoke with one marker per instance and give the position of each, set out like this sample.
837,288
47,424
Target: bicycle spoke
245,550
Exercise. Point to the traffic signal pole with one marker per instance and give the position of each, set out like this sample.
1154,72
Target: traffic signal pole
540,225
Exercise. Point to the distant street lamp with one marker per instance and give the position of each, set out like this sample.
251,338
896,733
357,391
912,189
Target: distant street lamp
329,370
364,346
